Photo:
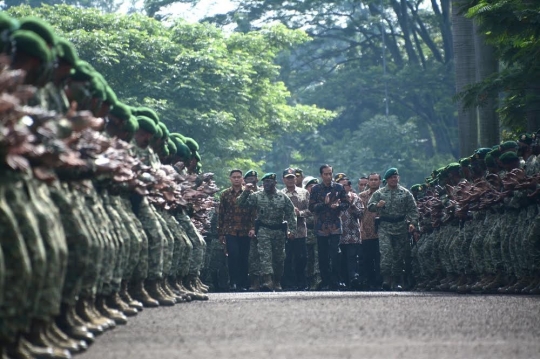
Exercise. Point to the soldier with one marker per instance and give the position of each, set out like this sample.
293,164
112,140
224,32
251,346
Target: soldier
312,262
254,260
299,175
396,207
327,201
273,208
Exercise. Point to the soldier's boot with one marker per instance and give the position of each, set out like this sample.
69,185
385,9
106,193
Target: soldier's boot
267,285
462,280
38,350
533,284
277,283
255,286
446,283
40,342
397,283
164,293
387,282
492,286
170,292
139,293
184,292
520,284
23,349
95,316
508,282
204,288
477,287
152,287
61,340
114,301
124,294
190,284
76,329
37,336
535,290
113,314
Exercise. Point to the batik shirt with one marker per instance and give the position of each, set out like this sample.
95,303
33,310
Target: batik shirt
232,219
350,220
327,219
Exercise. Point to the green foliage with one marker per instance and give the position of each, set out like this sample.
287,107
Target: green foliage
221,90
104,5
513,28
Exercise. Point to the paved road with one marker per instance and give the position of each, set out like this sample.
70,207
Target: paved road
331,325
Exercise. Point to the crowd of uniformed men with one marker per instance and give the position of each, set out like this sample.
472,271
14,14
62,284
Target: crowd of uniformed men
101,206
473,226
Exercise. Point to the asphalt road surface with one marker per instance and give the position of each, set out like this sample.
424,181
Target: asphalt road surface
331,325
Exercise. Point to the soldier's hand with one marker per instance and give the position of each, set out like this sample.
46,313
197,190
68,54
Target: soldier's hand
249,186
296,211
222,239
327,198
411,228
251,233
381,203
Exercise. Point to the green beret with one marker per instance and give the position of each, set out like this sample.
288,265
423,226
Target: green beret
31,44
181,149
146,124
465,162
481,153
82,72
192,144
416,188
269,175
454,166
508,145
121,111
527,138
67,52
171,146
339,177
197,156
495,153
8,23
251,173
390,172
147,112
180,136
159,132
132,125
508,157
490,160
164,130
41,28
97,88
111,96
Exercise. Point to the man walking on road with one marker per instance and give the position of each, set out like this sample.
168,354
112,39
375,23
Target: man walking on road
273,209
327,201
398,216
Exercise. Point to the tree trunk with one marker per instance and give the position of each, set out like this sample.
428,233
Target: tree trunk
464,60
486,65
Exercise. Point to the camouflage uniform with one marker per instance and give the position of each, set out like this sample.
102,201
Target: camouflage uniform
394,237
312,258
272,209
217,271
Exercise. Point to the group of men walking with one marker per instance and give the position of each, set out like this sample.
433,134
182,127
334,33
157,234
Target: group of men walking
313,234
101,207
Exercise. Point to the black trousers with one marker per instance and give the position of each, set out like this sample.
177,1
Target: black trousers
353,259
295,263
238,260
372,261
328,247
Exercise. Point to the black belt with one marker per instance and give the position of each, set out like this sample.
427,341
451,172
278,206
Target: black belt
392,219
271,226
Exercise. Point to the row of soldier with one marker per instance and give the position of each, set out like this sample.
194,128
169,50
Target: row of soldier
480,223
101,207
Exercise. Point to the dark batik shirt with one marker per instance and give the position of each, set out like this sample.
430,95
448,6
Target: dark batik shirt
327,220
234,220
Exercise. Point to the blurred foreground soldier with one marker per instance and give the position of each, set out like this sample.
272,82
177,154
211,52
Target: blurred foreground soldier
312,266
236,227
398,216
327,201
275,220
295,247
370,238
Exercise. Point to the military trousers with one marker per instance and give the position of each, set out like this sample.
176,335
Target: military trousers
395,250
271,251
